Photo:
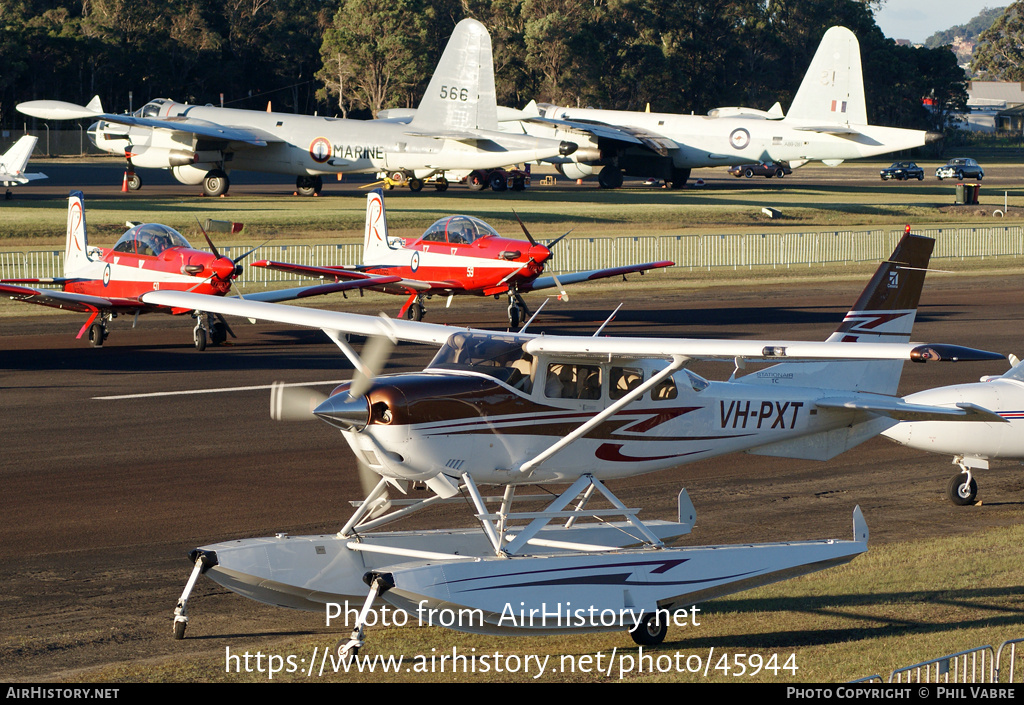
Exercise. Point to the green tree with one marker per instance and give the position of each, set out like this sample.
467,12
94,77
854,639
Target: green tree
999,54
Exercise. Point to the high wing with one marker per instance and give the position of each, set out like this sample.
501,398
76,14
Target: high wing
626,135
62,110
402,285
769,350
434,334
577,277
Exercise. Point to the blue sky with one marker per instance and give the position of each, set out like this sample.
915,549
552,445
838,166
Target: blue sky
917,20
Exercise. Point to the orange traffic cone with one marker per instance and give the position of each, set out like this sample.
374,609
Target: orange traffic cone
124,183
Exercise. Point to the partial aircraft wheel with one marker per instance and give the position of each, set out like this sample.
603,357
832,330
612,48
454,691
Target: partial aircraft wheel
680,177
415,185
651,631
216,183
134,182
345,654
441,184
415,312
305,186
179,630
498,181
97,335
960,491
218,333
513,317
476,181
199,337
610,177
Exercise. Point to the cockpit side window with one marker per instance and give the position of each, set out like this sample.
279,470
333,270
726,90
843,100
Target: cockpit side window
501,357
623,380
569,381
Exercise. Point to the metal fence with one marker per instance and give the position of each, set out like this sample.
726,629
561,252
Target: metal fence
977,665
67,142
776,249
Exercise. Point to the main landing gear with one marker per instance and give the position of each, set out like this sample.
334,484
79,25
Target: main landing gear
214,332
517,310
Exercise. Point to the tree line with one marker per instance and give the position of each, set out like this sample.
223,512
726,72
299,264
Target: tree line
355,57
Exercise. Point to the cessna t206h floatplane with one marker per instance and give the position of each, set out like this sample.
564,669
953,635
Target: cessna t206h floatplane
148,257
505,408
458,255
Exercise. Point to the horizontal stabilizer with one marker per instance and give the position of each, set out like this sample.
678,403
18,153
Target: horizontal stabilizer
903,411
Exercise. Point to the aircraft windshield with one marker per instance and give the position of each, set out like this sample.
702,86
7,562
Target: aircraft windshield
150,239
458,230
498,356
151,109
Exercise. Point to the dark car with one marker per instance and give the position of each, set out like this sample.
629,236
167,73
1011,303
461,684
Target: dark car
901,171
960,169
767,170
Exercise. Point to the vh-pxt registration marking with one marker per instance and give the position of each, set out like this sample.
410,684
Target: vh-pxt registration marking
740,414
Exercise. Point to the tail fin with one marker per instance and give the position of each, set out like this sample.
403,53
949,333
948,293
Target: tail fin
461,94
14,159
76,248
376,244
833,88
884,313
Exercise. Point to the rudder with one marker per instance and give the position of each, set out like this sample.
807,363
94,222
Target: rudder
833,87
16,158
376,245
461,94
76,246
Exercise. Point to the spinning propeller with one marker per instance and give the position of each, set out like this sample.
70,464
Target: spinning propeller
534,245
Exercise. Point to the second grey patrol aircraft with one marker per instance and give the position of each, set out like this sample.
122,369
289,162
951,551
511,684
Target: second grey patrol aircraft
455,129
827,122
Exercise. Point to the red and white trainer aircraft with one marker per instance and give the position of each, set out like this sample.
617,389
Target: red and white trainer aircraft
457,255
502,409
148,257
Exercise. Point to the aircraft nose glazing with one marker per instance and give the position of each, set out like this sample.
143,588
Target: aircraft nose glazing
344,412
93,133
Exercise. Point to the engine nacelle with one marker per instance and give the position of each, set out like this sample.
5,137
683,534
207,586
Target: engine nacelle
575,170
193,174
160,157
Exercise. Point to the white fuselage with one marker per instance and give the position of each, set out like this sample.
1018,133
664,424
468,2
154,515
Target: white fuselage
705,141
308,145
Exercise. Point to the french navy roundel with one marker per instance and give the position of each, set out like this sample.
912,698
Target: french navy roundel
320,150
739,138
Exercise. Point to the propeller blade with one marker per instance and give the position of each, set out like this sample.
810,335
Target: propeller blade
213,248
525,231
294,403
551,245
239,259
375,356
561,289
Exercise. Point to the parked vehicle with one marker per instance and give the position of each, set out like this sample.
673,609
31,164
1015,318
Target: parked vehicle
960,168
901,171
767,170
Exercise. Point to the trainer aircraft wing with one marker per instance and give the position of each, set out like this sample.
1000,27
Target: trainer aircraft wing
58,299
577,277
406,285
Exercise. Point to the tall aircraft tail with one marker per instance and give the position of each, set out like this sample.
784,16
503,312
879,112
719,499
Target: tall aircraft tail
461,94
884,313
833,87
376,245
76,247
16,158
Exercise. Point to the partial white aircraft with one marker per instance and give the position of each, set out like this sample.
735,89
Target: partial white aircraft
971,445
455,128
503,409
827,122
14,161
